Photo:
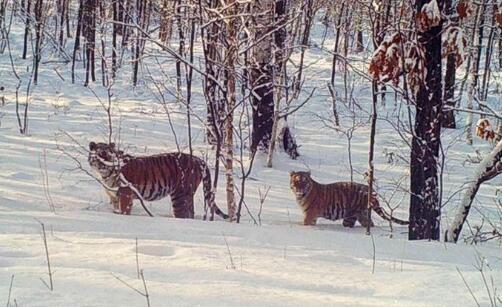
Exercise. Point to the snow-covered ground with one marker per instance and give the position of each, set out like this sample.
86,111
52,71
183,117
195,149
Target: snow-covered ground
93,252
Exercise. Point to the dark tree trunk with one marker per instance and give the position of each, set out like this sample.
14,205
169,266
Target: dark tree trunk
143,19
448,120
165,22
140,11
189,76
263,106
77,39
490,44
26,27
125,14
64,5
215,102
38,38
115,30
371,153
103,34
500,49
305,37
89,32
359,41
425,205
181,46
288,143
337,41
67,18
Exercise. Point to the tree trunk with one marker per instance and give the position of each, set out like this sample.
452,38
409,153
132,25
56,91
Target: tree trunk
181,45
359,41
262,77
305,37
63,15
478,39
38,38
337,41
489,168
26,27
448,120
485,83
278,73
115,30
212,55
165,29
76,47
425,204
140,20
231,59
213,92
89,33
371,166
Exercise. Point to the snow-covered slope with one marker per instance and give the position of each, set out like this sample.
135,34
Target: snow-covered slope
193,262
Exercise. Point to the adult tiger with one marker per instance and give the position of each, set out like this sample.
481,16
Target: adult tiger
339,200
152,177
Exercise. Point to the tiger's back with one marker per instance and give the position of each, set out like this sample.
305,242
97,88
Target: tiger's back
342,199
158,176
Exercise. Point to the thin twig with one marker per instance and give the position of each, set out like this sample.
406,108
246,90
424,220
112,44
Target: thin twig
10,289
137,260
51,285
468,288
374,255
147,295
232,265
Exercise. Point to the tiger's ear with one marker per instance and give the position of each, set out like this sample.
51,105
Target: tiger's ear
92,146
308,173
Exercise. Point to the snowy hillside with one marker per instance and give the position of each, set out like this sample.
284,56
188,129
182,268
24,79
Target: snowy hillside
270,258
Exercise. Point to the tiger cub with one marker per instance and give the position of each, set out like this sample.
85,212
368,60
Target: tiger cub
153,177
339,200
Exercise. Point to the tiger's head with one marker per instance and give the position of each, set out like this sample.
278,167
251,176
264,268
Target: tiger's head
104,158
301,183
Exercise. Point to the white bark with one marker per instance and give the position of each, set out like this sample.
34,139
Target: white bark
474,75
231,59
490,166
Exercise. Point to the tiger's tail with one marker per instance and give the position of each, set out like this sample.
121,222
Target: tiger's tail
381,212
209,195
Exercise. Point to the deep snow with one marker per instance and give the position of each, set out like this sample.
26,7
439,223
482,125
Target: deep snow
188,262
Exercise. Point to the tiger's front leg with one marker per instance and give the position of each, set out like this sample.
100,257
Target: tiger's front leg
309,219
114,201
125,196
183,206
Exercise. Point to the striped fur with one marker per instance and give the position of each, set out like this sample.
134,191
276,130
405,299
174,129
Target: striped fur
153,177
339,200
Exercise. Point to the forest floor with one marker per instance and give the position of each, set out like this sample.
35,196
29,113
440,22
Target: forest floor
95,255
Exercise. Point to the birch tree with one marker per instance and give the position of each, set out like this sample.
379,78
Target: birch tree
261,76
489,168
230,61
